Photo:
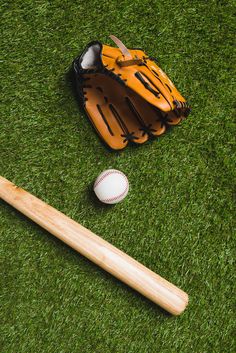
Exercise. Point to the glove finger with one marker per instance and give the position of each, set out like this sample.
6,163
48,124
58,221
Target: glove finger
108,111
130,121
155,89
173,118
164,80
111,98
167,95
107,125
97,108
148,116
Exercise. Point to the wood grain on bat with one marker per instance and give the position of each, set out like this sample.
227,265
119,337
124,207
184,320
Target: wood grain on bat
99,251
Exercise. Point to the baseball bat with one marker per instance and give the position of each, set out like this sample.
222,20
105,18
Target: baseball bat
99,251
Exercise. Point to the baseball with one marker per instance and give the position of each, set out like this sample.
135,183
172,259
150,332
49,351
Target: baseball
111,186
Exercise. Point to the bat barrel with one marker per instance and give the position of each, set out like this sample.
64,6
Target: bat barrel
99,251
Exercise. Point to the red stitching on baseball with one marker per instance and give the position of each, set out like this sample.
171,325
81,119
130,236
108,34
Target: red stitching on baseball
113,171
116,197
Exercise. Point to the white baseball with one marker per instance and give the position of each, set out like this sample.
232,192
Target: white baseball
111,186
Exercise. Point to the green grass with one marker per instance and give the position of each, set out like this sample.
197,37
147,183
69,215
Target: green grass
178,218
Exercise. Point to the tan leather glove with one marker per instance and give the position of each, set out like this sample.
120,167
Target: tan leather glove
127,97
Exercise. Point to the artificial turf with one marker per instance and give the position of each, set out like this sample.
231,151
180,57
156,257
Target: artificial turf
178,218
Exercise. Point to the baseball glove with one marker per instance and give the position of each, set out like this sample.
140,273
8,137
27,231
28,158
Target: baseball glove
125,94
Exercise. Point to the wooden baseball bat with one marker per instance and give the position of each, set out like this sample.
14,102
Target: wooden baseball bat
99,251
